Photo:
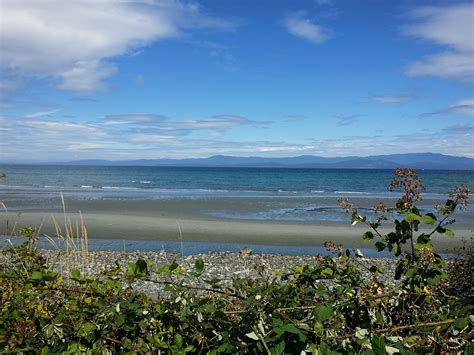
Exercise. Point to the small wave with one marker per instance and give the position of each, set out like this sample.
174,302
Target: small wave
145,182
285,191
86,186
351,192
317,191
120,188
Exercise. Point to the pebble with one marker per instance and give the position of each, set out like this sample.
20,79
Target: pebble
223,265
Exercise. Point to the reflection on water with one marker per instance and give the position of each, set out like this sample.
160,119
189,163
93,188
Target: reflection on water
189,248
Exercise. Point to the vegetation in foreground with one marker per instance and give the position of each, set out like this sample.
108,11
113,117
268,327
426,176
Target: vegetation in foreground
325,308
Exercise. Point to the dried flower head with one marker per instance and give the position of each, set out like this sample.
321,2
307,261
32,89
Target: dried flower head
330,245
345,205
410,183
381,208
461,195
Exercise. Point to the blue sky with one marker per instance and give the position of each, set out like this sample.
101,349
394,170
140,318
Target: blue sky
112,79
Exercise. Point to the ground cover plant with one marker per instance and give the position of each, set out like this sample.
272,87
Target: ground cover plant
327,307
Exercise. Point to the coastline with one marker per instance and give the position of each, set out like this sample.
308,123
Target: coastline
182,220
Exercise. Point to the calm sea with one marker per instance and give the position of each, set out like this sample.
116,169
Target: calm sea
281,194
181,181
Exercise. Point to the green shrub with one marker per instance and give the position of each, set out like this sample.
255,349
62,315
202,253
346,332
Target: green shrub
328,307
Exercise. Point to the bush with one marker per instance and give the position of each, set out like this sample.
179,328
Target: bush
325,308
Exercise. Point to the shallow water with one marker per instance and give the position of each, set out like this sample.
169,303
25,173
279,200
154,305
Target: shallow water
186,248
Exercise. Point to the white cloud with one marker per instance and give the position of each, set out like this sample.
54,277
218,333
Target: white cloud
464,107
9,85
452,28
391,99
75,42
287,148
43,113
153,121
299,26
90,140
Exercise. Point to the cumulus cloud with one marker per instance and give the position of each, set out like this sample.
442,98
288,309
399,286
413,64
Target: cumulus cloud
300,26
391,99
75,42
452,28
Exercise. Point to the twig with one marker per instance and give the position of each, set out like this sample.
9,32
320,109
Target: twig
397,328
115,341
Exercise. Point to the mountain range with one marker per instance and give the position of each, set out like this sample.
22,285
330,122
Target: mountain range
413,160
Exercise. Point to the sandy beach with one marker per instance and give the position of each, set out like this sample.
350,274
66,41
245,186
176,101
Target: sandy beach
186,220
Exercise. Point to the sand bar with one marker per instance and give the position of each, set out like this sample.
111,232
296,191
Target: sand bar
184,219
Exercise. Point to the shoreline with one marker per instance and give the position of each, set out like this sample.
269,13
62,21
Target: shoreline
134,226
182,220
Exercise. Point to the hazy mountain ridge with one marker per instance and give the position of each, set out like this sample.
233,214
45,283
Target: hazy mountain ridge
414,160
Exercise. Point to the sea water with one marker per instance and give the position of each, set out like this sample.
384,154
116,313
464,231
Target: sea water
175,180
313,192
286,194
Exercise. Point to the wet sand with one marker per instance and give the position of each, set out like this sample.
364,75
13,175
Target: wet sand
183,219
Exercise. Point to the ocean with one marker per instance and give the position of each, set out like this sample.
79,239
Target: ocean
183,181
265,194
313,192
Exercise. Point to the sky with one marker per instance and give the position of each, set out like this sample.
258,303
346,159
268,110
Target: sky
146,79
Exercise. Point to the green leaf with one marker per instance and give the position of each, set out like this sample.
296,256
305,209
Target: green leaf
173,266
327,271
368,236
75,275
131,269
423,238
86,329
412,217
278,349
378,345
319,328
36,275
449,232
380,246
199,265
142,266
429,218
395,248
323,313
412,270
461,323
178,340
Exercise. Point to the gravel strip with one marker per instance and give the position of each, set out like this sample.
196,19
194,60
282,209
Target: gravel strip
225,266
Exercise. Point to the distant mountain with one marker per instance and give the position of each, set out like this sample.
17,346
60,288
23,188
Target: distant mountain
413,160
